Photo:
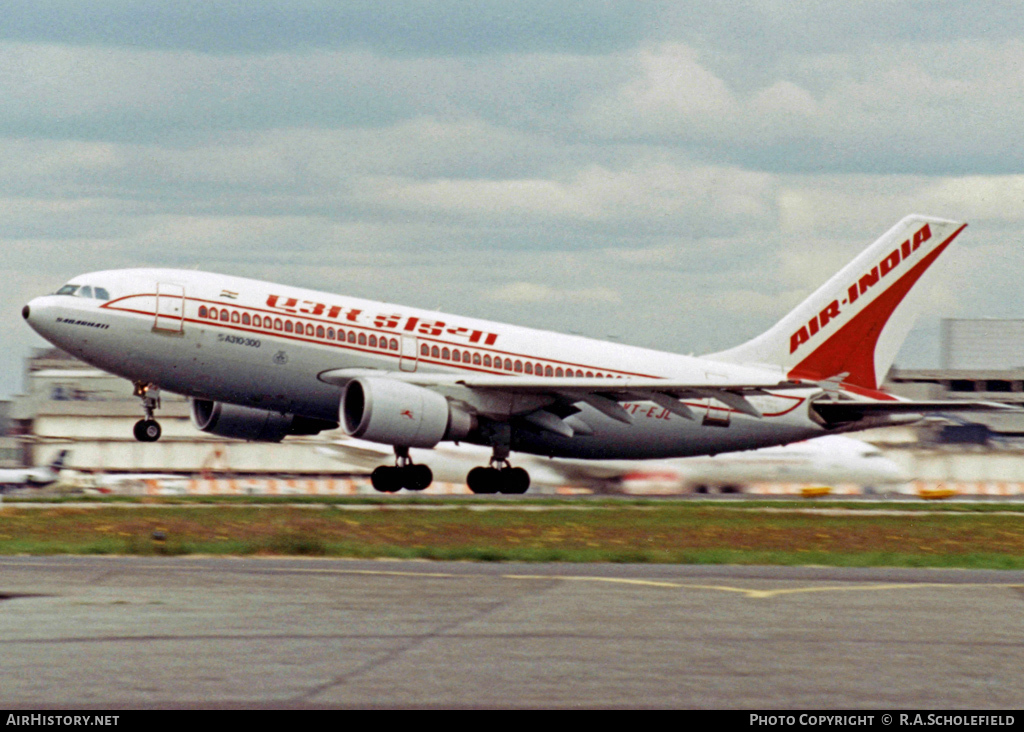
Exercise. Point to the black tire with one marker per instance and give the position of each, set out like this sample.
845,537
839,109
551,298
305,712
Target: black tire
386,479
482,480
147,430
515,481
417,477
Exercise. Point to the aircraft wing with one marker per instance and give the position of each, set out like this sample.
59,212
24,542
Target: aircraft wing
602,394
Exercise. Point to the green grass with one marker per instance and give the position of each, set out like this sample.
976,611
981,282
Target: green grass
605,530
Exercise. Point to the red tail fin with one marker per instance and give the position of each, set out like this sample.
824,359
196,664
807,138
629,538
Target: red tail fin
854,323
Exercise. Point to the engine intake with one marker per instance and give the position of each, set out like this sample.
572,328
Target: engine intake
397,413
248,423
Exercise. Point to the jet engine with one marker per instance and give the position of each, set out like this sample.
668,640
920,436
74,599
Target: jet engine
247,423
397,413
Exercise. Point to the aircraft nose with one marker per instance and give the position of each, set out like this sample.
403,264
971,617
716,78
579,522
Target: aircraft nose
34,311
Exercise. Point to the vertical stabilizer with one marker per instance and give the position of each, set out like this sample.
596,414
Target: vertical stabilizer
839,329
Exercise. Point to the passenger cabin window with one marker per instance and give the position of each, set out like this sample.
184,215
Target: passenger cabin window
203,312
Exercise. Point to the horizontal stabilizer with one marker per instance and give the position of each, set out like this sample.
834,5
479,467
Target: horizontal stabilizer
841,412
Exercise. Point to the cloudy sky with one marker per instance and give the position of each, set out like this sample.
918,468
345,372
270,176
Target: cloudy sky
670,174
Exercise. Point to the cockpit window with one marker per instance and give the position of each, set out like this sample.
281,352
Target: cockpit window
98,293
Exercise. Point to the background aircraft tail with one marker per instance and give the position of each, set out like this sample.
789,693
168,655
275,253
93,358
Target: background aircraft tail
57,464
854,324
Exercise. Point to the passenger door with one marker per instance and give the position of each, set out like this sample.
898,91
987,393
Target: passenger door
170,308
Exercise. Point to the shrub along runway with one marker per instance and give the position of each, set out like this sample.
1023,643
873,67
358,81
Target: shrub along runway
677,532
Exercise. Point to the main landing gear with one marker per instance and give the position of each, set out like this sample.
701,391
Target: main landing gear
502,479
404,474
148,429
499,476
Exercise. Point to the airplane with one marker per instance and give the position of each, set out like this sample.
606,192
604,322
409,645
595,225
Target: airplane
38,477
831,459
827,460
261,361
105,483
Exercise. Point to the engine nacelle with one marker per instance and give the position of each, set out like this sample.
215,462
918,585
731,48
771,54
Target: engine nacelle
397,413
248,423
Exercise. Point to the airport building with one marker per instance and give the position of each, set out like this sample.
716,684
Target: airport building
69,404
981,359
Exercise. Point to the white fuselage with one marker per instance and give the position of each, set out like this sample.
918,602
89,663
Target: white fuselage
265,345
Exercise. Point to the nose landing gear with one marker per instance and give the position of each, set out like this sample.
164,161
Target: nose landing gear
148,429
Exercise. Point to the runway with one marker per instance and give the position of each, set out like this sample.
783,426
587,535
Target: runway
119,633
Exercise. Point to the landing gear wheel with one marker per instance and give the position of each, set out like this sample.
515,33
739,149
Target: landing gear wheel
147,430
514,480
417,477
492,480
482,480
386,479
